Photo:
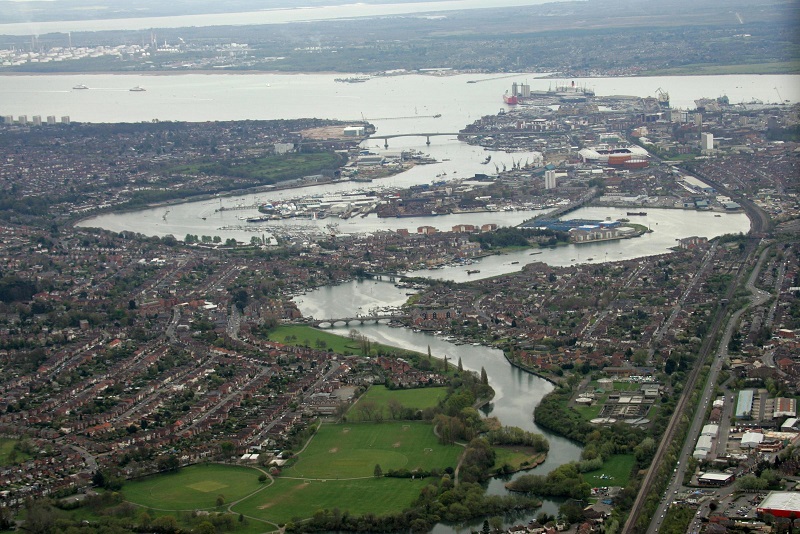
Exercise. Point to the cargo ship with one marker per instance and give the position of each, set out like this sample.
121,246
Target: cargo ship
511,100
642,213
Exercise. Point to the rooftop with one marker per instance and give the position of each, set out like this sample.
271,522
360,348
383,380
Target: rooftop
782,500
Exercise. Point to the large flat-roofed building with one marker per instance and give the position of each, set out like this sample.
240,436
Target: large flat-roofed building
704,443
744,406
751,440
781,504
785,407
715,479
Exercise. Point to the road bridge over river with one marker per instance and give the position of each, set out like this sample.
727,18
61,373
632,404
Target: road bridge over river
426,135
359,320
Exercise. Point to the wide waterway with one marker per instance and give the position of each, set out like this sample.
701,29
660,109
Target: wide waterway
396,104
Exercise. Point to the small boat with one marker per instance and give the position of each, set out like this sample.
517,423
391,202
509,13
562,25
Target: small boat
137,89
514,262
473,271
80,86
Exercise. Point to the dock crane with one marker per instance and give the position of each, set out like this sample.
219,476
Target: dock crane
780,100
663,98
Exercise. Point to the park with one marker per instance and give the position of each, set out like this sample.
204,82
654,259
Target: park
335,470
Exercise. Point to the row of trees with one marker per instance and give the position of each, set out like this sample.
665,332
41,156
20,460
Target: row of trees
511,435
517,237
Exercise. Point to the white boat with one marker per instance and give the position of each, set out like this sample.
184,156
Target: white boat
80,86
138,88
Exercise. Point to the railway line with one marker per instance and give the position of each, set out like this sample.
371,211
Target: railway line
760,226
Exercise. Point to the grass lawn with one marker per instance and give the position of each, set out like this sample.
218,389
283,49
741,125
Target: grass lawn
589,412
351,450
517,457
268,169
194,487
288,499
337,471
617,469
315,338
416,399
306,335
7,454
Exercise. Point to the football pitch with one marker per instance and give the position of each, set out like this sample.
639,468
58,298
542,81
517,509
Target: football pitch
337,471
193,488
351,450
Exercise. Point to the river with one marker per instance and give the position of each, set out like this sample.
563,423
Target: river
516,392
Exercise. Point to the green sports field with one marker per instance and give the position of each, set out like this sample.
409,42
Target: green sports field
192,488
416,399
290,499
615,472
350,450
336,471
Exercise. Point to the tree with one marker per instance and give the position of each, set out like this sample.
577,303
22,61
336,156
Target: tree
484,377
460,366
226,449
166,524
220,500
571,511
378,471
367,409
395,408
6,518
168,463
262,478
40,516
